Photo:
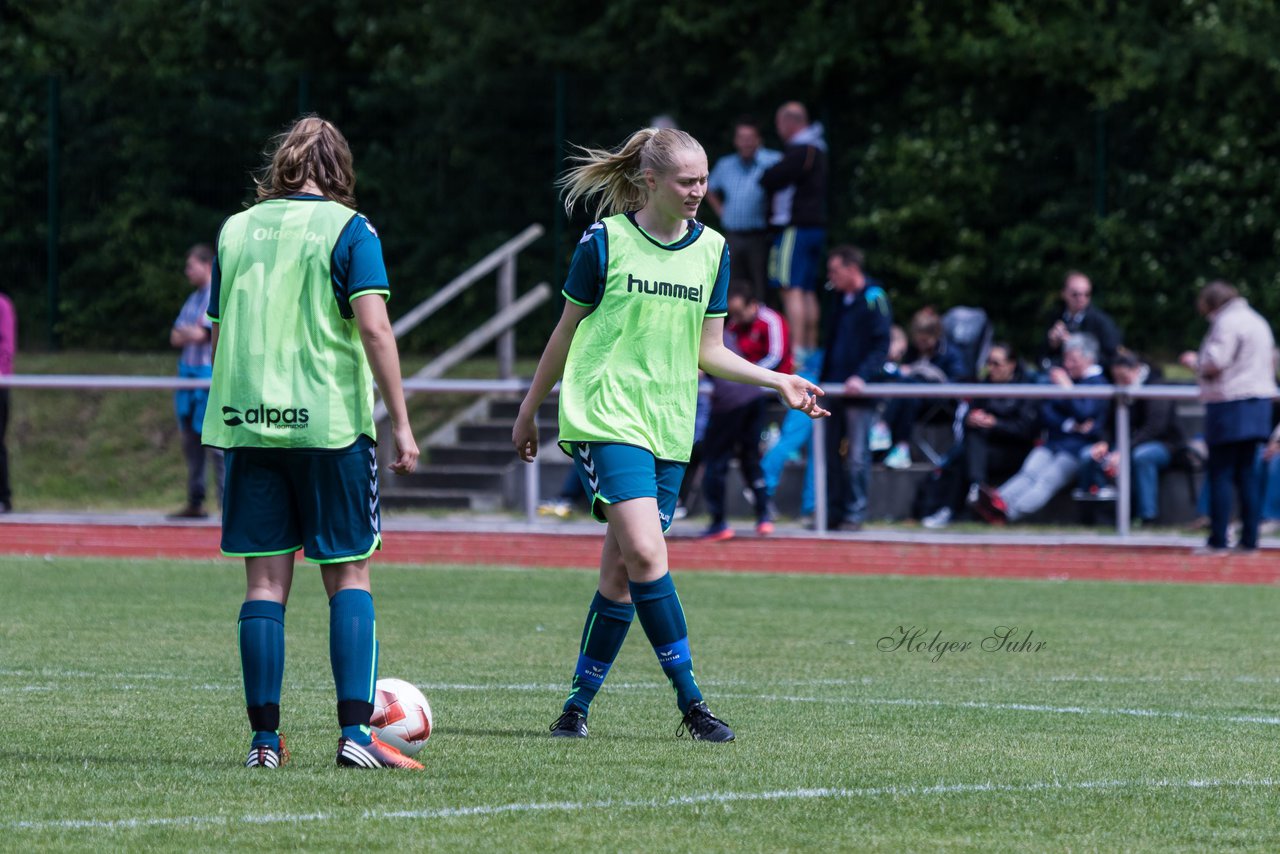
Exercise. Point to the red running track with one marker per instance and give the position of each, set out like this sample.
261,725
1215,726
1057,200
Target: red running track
834,556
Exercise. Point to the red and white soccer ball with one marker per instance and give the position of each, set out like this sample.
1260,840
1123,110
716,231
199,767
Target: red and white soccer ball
401,715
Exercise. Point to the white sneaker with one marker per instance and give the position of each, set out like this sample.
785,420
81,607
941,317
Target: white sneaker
940,519
879,438
899,457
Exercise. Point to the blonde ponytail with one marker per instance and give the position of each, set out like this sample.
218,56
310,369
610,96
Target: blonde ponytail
617,177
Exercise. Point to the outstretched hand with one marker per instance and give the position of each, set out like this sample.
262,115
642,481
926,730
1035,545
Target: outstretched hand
798,393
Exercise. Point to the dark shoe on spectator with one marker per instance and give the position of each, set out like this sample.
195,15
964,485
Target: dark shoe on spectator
191,511
6,507
846,525
990,506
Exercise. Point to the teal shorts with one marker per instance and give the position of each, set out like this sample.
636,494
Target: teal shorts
611,473
323,502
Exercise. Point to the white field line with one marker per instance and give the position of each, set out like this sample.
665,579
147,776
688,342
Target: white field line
1012,707
557,688
49,673
712,798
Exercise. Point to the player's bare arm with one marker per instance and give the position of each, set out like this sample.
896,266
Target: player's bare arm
714,358
384,361
524,434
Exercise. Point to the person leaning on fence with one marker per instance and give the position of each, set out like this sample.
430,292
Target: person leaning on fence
1070,425
300,333
192,333
1155,436
997,433
1236,372
856,346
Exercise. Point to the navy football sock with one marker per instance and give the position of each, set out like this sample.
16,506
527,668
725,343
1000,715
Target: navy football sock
353,653
602,637
260,631
658,608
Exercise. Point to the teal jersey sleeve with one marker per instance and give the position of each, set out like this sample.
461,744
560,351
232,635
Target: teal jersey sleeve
718,305
584,285
357,267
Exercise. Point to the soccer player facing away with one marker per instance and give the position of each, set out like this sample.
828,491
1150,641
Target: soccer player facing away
300,331
645,305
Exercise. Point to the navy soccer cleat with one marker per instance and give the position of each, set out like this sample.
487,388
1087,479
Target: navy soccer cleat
265,757
703,726
572,724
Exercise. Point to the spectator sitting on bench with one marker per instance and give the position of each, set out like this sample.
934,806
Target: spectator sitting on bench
1071,425
998,434
927,360
1154,436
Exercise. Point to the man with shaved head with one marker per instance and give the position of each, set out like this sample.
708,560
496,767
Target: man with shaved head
797,185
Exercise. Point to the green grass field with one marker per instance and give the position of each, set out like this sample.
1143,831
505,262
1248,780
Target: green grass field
1148,721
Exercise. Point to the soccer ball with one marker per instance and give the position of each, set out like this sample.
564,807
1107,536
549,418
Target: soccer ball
401,715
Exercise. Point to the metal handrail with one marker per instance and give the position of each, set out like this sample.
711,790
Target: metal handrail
476,271
495,326
1122,395
502,259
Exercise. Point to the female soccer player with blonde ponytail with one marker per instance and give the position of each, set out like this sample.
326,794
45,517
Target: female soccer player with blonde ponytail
645,306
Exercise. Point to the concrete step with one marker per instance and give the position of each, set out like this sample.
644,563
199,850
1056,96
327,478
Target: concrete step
491,454
469,478
506,409
496,432
435,499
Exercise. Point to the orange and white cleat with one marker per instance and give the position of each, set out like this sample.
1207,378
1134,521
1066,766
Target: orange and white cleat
375,754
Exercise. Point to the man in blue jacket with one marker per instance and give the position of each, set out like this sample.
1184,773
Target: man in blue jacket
856,333
1071,426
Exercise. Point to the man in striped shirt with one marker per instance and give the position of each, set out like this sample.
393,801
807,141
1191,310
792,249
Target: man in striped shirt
734,192
192,335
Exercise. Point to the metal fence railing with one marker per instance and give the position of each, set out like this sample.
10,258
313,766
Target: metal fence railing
1122,396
